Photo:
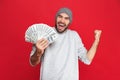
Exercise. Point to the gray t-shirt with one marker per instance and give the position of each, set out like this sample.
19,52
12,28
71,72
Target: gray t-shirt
60,60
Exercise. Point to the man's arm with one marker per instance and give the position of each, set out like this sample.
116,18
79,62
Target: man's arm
91,52
41,45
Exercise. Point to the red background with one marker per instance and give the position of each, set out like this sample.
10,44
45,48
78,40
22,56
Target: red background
88,15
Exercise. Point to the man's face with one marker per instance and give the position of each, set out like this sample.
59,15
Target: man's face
62,22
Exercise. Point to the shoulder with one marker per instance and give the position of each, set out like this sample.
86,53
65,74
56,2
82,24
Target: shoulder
73,32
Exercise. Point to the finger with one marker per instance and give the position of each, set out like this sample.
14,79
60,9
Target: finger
98,33
41,41
45,46
44,42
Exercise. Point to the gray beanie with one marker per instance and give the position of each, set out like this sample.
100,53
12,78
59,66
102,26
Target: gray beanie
67,11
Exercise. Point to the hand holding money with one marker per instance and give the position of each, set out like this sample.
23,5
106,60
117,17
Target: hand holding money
41,45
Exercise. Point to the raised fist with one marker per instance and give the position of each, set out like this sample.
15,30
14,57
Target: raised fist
97,34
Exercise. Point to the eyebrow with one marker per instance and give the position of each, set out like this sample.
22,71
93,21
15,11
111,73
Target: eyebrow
65,17
60,15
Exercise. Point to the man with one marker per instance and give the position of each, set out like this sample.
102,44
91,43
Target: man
59,60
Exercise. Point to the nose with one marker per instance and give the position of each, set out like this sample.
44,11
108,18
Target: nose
62,20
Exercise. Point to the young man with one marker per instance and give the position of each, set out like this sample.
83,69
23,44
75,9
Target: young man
59,60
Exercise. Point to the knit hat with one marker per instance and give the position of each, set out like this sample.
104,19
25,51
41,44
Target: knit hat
67,11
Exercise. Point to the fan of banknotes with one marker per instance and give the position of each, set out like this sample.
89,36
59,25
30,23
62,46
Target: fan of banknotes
37,31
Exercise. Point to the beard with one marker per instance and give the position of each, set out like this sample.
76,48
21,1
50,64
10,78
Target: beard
64,25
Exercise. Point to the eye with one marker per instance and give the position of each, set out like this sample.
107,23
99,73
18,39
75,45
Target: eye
67,18
59,16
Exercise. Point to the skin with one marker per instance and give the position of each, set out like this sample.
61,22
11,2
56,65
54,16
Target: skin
62,23
92,51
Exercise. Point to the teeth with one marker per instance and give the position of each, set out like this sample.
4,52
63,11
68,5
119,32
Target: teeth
61,24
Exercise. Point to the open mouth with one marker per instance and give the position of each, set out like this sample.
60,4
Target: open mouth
61,26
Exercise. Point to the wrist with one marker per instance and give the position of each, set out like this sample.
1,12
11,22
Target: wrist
96,41
38,53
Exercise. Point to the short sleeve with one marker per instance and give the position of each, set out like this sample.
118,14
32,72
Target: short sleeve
81,50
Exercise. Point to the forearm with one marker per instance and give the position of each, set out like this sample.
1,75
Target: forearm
40,45
35,58
92,51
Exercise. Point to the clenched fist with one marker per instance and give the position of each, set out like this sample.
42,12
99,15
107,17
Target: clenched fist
97,34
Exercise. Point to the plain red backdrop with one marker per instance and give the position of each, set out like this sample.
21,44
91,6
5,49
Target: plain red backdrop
88,15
